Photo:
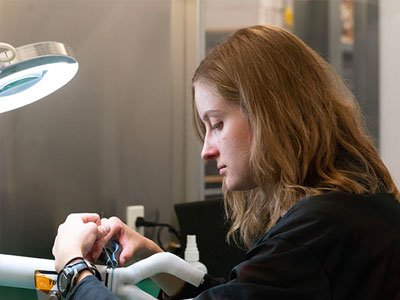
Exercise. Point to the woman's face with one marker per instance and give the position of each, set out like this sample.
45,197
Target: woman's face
228,137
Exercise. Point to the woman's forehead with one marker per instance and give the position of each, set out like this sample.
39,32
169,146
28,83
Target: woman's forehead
207,96
208,103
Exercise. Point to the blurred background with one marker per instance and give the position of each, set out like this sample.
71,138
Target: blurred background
120,132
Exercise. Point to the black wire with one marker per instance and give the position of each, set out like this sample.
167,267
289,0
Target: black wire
141,222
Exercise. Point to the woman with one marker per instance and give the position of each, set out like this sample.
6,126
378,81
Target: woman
304,187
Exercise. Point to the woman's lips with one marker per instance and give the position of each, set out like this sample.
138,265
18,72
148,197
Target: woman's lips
222,171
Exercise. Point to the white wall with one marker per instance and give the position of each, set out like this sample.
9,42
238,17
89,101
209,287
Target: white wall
390,85
114,136
230,14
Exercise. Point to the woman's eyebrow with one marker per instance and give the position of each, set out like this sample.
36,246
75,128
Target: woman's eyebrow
210,113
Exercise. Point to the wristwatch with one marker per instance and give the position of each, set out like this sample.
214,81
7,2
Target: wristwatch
67,276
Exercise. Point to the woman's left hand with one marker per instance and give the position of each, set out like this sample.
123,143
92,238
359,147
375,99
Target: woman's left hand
76,237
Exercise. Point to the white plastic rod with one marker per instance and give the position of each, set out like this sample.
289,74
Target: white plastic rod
132,292
158,263
19,271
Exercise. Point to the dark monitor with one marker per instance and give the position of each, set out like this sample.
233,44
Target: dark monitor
206,220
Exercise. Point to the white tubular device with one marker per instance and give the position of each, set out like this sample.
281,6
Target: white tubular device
124,279
19,271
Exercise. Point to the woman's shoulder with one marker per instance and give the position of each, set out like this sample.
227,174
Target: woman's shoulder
334,215
337,206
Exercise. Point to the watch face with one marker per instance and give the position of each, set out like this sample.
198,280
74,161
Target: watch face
63,282
65,279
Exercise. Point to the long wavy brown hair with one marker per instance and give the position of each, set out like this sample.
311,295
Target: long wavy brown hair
309,136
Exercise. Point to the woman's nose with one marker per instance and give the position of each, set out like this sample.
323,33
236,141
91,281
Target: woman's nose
209,152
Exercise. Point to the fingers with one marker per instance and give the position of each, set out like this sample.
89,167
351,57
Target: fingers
126,254
86,233
103,230
109,229
84,218
120,232
76,236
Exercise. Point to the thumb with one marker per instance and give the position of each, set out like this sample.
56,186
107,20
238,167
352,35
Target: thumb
103,230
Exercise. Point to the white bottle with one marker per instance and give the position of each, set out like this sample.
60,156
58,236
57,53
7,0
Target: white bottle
192,253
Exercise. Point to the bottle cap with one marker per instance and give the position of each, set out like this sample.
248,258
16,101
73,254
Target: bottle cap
191,251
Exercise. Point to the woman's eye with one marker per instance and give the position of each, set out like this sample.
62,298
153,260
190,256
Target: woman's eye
216,126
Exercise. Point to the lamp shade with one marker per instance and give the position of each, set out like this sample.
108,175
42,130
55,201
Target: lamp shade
35,71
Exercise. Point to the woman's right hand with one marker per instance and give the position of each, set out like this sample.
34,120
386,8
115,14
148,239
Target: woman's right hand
137,247
134,245
76,237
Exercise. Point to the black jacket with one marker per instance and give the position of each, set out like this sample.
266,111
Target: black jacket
333,246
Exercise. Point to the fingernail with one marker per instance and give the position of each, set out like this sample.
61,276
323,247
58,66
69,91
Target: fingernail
104,228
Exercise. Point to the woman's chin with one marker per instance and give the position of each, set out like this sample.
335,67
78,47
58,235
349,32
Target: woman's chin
234,186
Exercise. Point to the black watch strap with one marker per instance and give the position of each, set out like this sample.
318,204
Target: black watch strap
66,279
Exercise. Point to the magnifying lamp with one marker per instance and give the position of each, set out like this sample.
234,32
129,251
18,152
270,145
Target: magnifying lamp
33,71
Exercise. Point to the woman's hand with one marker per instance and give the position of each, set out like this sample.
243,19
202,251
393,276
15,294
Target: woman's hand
137,247
133,244
76,237
86,235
